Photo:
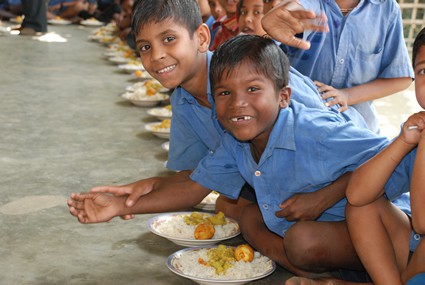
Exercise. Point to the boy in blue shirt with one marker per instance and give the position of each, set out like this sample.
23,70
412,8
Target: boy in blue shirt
281,148
174,50
362,57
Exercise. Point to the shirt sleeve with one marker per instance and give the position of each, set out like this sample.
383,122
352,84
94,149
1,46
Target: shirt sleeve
219,171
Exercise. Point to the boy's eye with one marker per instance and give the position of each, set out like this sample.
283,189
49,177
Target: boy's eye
421,71
169,39
252,89
242,13
257,12
222,93
144,48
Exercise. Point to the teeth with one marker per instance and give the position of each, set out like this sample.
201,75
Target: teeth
244,118
167,69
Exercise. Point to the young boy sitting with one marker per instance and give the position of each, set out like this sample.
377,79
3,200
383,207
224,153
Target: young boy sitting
393,250
173,42
280,148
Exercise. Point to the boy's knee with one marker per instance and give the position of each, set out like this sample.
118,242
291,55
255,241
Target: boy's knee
303,246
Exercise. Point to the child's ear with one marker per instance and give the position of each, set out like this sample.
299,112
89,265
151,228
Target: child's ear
204,37
285,97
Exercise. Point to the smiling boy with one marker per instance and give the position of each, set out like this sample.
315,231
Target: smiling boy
281,148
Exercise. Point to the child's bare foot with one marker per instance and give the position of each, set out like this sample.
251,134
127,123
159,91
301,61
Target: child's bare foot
320,281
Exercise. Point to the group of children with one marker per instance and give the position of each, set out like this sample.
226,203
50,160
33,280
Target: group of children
248,125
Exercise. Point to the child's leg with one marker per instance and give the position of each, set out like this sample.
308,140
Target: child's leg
380,233
321,246
417,262
268,243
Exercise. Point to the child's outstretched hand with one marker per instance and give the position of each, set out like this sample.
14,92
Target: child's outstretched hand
94,207
413,128
337,96
289,18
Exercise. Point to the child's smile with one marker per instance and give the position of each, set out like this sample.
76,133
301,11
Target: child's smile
247,103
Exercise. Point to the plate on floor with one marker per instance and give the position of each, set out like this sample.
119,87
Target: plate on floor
59,22
208,203
172,226
92,22
161,113
166,146
186,263
143,100
159,129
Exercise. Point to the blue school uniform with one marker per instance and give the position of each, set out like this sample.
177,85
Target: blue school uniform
364,45
196,132
307,150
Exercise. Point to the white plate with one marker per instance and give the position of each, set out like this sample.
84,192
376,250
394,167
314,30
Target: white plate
145,102
118,59
59,22
161,133
155,223
161,113
166,146
135,86
130,68
208,203
91,22
175,265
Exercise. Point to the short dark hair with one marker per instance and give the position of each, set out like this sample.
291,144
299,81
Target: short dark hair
419,41
268,58
184,12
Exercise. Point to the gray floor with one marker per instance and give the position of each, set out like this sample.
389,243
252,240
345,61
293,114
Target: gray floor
64,129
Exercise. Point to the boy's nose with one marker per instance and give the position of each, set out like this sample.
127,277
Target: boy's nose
158,54
238,101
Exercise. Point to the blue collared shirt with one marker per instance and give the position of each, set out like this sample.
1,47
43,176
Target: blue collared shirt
364,45
196,132
307,150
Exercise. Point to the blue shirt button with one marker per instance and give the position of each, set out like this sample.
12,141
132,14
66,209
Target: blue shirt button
257,173
417,236
341,61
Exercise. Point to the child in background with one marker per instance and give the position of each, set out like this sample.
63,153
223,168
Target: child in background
70,9
217,13
227,26
250,13
351,75
392,233
279,147
123,22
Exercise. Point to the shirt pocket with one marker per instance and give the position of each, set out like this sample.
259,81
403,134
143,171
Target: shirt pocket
367,64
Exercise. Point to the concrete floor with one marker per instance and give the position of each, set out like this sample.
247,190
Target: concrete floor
64,129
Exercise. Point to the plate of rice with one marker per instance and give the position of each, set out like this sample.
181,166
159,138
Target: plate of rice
152,85
182,228
160,129
208,203
140,98
196,264
161,113
166,146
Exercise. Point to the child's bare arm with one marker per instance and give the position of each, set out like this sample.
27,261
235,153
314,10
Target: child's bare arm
376,89
101,207
417,190
309,206
368,181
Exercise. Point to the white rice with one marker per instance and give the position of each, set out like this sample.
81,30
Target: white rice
188,264
174,226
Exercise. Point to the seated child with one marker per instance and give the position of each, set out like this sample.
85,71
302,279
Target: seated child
281,148
227,26
250,13
217,13
388,240
70,9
